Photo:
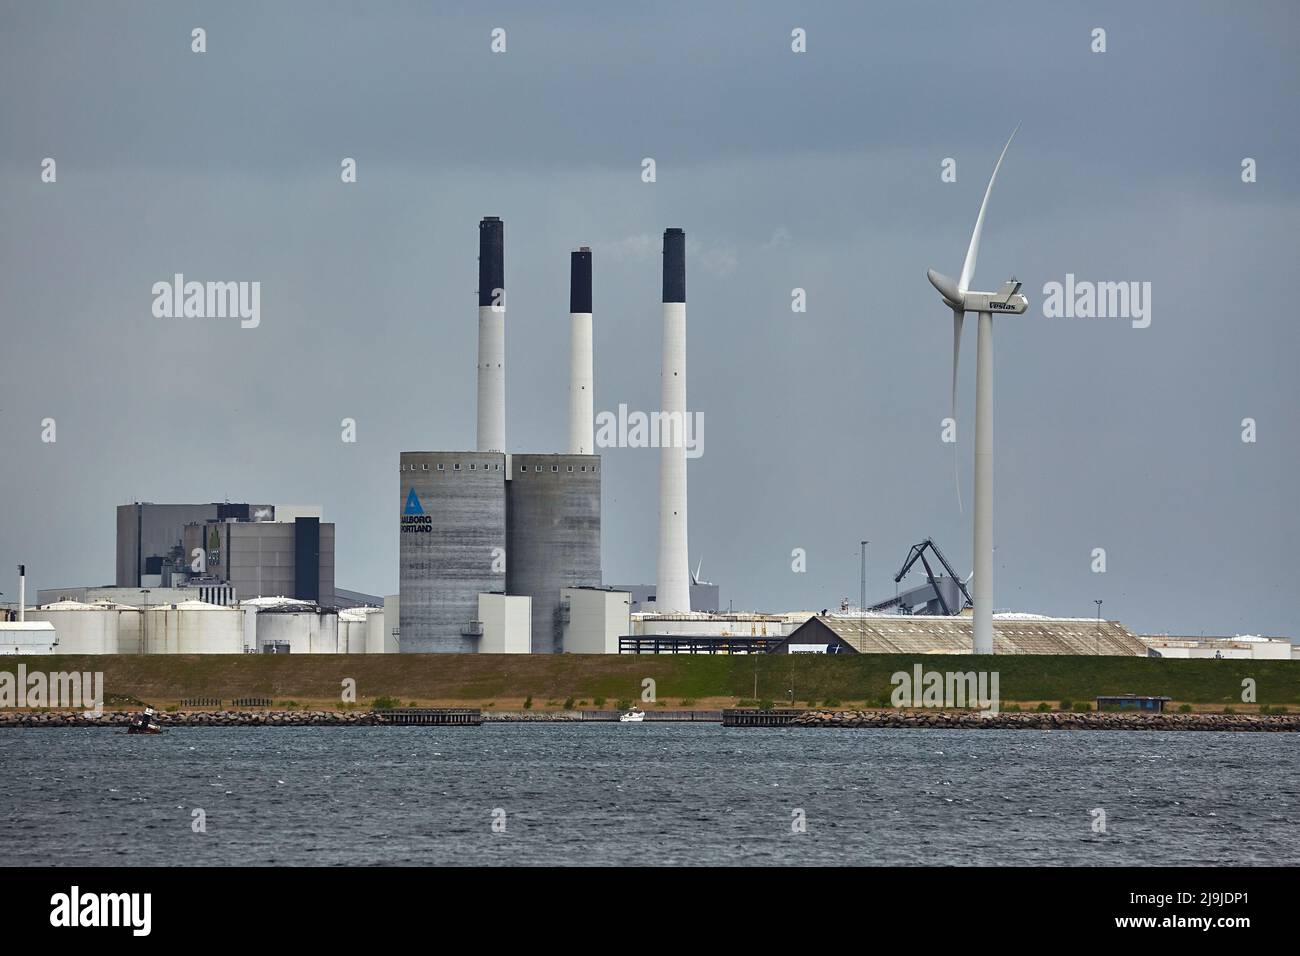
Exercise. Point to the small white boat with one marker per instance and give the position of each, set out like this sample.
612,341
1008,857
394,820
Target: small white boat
633,716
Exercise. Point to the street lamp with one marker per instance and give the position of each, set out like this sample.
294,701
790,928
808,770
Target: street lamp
862,599
144,622
1098,603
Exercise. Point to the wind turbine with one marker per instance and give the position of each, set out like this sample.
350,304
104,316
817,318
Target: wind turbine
1006,300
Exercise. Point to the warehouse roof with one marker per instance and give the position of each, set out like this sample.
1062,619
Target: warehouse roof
933,634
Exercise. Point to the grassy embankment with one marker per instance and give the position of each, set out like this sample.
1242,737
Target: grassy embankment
681,682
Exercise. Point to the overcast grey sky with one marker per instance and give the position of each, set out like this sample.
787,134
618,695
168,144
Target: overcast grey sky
818,170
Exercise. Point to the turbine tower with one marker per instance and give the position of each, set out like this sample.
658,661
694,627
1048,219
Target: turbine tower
1006,300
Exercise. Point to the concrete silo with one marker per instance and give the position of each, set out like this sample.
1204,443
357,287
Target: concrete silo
453,546
553,536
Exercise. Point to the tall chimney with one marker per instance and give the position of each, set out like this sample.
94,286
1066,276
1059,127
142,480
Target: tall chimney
22,592
491,335
581,408
673,591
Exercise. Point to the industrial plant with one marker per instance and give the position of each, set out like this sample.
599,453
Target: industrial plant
500,551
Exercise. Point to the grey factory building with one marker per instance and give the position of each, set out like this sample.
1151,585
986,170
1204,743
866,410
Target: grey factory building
484,522
256,550
552,535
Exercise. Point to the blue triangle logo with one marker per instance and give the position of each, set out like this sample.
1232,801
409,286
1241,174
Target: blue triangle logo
413,506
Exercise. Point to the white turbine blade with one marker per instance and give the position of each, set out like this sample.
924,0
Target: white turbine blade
957,316
973,252
947,288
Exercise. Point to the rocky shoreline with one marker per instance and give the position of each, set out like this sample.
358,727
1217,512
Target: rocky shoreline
1266,723
941,720
223,718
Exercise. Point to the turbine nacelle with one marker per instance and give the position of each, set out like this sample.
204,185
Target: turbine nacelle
1003,302
1006,300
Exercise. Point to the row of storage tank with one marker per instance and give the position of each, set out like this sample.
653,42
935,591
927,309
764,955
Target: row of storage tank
259,626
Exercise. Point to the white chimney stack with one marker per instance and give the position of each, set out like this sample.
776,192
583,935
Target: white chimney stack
673,591
491,335
22,592
581,407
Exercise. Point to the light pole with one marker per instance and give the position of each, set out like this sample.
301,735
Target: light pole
144,622
1098,603
862,603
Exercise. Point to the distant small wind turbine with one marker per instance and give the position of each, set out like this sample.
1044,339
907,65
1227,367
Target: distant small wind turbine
1006,300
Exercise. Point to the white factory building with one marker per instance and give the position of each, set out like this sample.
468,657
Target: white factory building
1243,647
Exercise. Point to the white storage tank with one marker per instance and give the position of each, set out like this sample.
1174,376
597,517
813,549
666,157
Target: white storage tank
193,627
298,628
130,621
82,628
352,630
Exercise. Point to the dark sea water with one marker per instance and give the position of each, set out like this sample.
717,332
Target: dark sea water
651,794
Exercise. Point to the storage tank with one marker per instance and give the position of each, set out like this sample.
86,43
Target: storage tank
130,621
297,629
552,536
380,626
193,627
81,628
353,629
252,607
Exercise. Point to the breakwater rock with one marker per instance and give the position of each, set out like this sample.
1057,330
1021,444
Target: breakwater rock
965,720
219,718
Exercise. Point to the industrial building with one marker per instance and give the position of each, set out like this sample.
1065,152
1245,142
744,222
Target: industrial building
594,619
27,637
704,595
480,529
266,625
223,594
1243,647
257,550
867,633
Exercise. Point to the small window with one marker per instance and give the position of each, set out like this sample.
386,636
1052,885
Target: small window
555,468
458,466
583,468
440,466
471,466
426,467
570,468
537,467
